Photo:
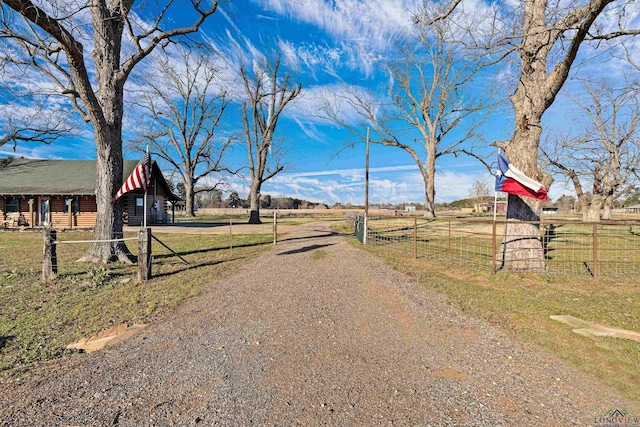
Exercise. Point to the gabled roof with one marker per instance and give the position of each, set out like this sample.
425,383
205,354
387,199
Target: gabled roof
24,177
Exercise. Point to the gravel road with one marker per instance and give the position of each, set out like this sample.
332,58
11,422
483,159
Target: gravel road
314,332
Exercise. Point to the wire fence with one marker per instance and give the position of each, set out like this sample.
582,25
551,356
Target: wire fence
564,248
23,250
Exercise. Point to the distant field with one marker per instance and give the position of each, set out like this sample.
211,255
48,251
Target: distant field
240,216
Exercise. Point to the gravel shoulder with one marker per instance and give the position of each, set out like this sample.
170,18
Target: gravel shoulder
314,332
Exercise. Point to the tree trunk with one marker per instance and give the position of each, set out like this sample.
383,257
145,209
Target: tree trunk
189,195
608,206
592,214
522,245
108,220
254,195
106,118
593,211
429,181
429,204
109,215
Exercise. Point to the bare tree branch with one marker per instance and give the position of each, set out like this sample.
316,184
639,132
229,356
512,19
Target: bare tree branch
606,152
432,96
260,114
186,105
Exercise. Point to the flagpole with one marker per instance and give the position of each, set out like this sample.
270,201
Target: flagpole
495,199
144,203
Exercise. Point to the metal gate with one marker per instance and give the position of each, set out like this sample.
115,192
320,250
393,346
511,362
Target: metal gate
359,226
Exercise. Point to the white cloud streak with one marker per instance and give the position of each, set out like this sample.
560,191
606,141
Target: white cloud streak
391,184
361,31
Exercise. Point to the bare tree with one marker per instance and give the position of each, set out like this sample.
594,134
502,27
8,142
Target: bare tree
42,122
267,96
546,38
479,192
51,39
606,153
32,130
435,93
186,104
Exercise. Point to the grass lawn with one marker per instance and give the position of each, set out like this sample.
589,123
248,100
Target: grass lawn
38,320
522,305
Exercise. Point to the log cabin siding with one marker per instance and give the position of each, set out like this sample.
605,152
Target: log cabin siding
40,180
59,215
59,218
88,212
85,218
133,218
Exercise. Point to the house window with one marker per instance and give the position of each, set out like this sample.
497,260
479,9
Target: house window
75,205
11,205
139,206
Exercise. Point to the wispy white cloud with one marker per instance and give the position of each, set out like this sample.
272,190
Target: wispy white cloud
310,129
352,172
315,101
361,31
376,22
391,184
314,58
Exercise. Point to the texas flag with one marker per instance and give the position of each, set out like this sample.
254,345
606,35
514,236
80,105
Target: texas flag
510,179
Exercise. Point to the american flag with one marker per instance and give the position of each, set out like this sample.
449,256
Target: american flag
139,178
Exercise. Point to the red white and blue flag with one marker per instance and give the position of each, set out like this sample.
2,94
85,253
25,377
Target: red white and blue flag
510,179
139,178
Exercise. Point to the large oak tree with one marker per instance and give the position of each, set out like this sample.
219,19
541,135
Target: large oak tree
80,48
545,37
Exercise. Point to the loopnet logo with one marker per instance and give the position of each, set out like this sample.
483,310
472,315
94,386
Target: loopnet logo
617,418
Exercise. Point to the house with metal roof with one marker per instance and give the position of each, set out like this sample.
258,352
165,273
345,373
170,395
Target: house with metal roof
62,193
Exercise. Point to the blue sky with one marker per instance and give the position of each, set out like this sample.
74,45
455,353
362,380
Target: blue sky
326,45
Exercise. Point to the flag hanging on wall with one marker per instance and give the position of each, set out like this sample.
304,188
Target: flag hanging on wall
139,178
510,179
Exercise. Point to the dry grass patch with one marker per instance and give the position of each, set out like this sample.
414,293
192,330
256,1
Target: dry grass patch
523,303
39,320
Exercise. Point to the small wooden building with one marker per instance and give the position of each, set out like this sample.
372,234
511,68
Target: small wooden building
61,193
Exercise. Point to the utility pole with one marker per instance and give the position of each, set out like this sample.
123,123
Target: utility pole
366,192
366,175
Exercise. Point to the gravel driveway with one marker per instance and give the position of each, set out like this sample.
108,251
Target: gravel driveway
315,332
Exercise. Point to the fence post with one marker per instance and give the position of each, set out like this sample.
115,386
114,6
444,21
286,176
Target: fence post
364,232
449,236
144,254
50,259
230,235
415,238
493,248
275,228
595,251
